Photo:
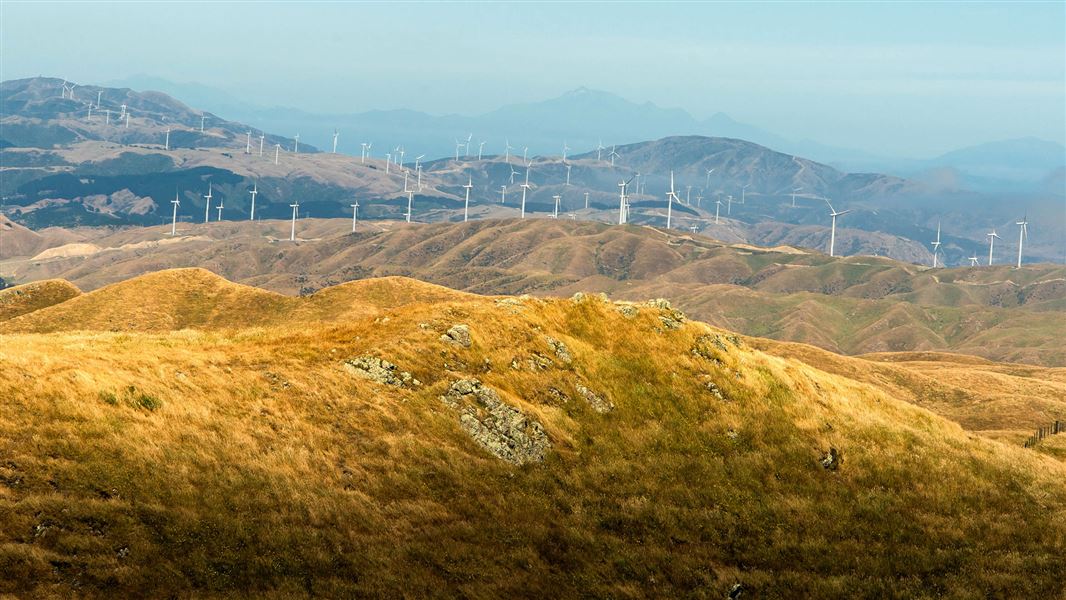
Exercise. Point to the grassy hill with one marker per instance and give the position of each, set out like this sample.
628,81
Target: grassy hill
247,457
851,305
23,299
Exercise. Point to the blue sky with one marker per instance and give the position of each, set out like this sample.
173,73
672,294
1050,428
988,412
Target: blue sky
912,79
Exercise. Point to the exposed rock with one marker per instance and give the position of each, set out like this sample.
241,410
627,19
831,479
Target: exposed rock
736,591
713,389
831,460
628,310
578,297
458,335
706,344
670,323
557,396
660,303
508,302
506,432
559,349
539,362
597,402
380,371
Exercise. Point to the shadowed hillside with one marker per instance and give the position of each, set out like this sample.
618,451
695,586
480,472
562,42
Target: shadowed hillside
608,449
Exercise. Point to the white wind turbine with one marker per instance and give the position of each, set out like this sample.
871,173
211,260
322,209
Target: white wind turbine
253,192
525,186
794,196
503,194
335,135
248,142
525,151
458,145
568,174
717,207
203,117
123,113
262,138
623,203
586,199
729,204
991,244
219,207
936,243
507,153
127,120
670,198
480,148
355,214
362,155
468,138
708,182
743,192
699,199
207,205
174,216
90,117
277,151
295,206
388,161
1023,232
513,173
418,170
599,150
565,150
107,116
410,198
296,144
99,94
973,260
613,155
166,144
466,205
833,232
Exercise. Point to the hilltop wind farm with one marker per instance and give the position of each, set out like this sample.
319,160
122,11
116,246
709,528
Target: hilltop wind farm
557,305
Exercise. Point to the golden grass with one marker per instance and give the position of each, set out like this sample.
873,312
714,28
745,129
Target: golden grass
245,461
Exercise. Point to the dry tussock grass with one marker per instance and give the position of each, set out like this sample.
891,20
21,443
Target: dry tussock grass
236,461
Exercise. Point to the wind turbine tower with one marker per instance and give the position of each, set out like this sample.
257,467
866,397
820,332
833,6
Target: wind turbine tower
991,244
717,207
277,151
295,210
671,196
355,214
794,196
262,138
166,144
525,186
973,260
174,216
936,244
335,134
833,231
466,205
1023,232
253,192
207,205
555,213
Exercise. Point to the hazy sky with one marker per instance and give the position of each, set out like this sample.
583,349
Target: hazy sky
911,79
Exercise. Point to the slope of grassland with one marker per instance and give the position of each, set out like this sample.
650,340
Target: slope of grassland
244,458
23,299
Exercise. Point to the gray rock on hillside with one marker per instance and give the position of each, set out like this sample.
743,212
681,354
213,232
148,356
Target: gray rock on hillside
506,432
458,335
380,371
560,349
597,402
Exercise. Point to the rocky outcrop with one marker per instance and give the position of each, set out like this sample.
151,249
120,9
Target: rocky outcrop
597,402
831,460
506,432
380,371
458,335
560,350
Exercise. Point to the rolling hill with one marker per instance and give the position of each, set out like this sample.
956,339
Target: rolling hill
548,446
853,305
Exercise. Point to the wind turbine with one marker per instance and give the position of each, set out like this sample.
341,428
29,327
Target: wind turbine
991,244
833,232
623,204
743,192
107,116
277,151
694,228
708,183
555,213
466,205
127,120
513,173
458,145
388,161
525,150
599,150
399,154
335,134
468,138
565,149
794,196
568,174
122,106
253,192
203,117
670,198
174,217
418,170
525,186
90,117
936,244
362,155
410,198
729,204
717,207
613,155
355,214
207,206
219,207
262,138
699,199
507,153
1023,232
973,260
295,209
99,94
248,142
586,199
296,144
480,147
503,194
166,144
